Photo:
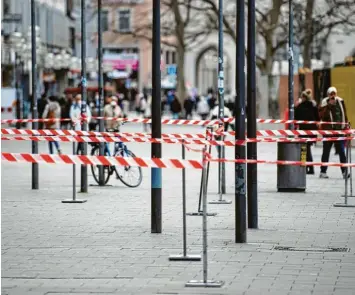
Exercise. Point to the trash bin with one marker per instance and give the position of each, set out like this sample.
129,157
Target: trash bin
291,178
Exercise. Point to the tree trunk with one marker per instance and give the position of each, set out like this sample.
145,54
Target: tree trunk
273,102
308,34
180,79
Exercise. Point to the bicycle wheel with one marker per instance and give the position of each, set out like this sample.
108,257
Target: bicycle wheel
95,168
130,176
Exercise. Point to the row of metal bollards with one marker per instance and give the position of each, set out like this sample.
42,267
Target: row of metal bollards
205,282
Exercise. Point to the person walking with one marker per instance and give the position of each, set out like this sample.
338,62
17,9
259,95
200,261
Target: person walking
203,108
176,107
75,116
52,110
307,110
113,110
332,109
146,109
41,105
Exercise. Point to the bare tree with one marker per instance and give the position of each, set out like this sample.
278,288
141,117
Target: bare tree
320,21
268,20
181,28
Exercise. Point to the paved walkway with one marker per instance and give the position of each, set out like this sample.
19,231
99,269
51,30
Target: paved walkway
105,246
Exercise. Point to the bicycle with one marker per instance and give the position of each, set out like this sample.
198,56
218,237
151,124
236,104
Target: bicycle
123,173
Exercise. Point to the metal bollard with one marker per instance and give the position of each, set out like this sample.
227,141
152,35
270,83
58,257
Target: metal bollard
221,178
184,256
205,282
199,210
74,200
347,180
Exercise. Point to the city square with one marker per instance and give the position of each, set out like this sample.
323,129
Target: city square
105,246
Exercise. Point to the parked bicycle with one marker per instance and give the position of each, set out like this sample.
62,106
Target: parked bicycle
128,175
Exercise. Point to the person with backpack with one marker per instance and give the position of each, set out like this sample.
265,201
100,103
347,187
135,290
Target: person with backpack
52,111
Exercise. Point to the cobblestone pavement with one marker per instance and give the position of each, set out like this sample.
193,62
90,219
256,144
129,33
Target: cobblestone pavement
105,246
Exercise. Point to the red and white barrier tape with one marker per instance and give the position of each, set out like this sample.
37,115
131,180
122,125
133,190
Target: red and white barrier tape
44,132
294,132
143,162
121,138
100,160
177,121
278,162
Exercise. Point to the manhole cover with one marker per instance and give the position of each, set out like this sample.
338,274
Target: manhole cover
309,249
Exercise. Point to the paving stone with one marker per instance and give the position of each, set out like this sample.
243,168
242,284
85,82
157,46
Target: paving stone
105,246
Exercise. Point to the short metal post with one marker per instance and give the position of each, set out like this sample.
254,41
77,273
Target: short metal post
74,200
205,282
184,257
220,179
199,210
347,180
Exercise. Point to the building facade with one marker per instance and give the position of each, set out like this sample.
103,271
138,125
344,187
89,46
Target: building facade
54,35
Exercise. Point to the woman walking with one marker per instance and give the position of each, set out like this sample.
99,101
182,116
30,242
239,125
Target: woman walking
52,111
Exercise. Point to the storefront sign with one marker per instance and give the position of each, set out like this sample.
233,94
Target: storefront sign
122,61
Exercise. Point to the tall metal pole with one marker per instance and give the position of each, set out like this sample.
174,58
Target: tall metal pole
101,89
84,169
221,151
240,199
290,65
252,172
35,182
17,76
156,181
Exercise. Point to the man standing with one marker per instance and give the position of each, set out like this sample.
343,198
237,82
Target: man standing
332,109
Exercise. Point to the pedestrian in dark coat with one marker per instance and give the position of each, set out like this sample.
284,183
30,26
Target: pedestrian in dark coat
307,111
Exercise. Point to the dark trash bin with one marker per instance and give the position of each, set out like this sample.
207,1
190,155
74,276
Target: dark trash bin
291,178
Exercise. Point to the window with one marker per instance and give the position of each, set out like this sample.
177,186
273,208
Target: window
173,57
104,20
72,40
167,57
38,15
6,7
124,20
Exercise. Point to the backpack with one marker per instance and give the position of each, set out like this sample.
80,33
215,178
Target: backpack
51,115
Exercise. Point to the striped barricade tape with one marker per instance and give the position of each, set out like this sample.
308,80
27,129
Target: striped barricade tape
177,121
44,132
101,160
98,139
279,162
294,132
123,139
58,132
144,162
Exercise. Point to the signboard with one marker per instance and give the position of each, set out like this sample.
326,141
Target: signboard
122,61
171,70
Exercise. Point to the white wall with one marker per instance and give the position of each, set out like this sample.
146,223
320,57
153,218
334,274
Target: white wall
340,47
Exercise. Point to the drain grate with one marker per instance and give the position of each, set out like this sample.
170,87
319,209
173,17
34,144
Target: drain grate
310,249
